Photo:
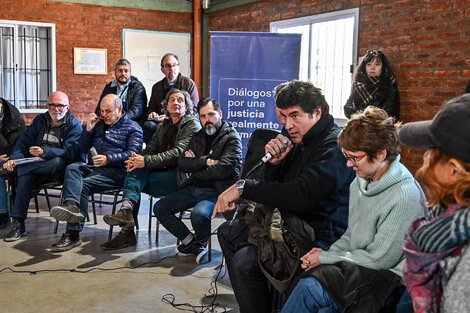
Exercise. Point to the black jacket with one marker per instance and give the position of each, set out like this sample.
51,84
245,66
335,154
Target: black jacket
311,182
226,148
12,127
136,99
356,288
160,89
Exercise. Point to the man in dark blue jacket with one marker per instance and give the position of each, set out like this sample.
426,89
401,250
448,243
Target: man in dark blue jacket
112,138
306,178
52,137
213,158
129,89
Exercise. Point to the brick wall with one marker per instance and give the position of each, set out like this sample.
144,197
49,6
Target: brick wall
427,42
90,26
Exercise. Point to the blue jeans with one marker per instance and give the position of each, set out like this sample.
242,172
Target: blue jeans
3,196
81,180
310,296
155,183
30,175
249,284
203,201
149,128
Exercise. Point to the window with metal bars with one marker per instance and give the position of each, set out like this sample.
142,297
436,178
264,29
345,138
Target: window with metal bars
328,52
27,64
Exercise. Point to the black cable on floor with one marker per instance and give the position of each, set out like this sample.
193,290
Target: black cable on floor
170,298
74,270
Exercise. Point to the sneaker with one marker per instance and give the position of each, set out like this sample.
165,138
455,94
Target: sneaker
68,212
4,220
196,248
66,243
123,218
202,256
186,249
122,240
17,231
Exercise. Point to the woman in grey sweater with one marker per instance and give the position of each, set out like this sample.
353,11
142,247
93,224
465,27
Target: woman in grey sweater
384,199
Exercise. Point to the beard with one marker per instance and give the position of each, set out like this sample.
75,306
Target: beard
211,129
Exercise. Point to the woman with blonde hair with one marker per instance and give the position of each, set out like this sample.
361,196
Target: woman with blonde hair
437,270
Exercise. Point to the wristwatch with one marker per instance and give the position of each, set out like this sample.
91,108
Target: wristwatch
240,184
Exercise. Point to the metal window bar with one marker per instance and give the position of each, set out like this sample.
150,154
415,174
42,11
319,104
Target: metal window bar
36,46
24,68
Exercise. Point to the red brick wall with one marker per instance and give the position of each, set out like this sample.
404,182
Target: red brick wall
90,26
427,42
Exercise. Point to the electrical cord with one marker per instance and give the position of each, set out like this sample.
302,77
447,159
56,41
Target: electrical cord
170,298
79,271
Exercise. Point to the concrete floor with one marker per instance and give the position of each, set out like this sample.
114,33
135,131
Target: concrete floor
90,279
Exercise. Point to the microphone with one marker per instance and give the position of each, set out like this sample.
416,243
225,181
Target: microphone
93,152
268,155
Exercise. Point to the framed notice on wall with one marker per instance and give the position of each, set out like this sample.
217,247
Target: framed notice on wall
90,61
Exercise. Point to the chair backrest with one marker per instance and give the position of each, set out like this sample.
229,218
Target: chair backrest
259,138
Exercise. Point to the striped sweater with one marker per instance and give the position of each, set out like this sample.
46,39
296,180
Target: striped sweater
379,215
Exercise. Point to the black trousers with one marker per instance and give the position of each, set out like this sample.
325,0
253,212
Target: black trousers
249,284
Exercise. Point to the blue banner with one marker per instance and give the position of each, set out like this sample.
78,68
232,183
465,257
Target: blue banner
244,69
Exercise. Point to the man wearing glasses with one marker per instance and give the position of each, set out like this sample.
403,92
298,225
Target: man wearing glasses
129,89
170,67
53,137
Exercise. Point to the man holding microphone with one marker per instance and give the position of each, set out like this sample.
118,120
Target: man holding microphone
111,139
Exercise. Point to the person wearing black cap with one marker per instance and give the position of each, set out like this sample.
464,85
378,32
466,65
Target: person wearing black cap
437,270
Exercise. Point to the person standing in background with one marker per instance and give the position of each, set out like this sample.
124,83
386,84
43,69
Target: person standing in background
374,84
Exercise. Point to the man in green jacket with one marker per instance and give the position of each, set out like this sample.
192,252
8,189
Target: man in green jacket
155,169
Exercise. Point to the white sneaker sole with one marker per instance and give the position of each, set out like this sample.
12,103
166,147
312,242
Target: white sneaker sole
61,214
203,256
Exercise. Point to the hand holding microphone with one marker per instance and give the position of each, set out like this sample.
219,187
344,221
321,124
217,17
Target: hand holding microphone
276,149
98,159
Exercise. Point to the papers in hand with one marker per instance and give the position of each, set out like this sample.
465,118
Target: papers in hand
28,160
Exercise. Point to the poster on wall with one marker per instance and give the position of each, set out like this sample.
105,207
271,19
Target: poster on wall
245,67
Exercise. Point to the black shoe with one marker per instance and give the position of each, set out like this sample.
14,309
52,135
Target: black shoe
68,212
4,220
196,248
66,243
186,249
17,231
122,240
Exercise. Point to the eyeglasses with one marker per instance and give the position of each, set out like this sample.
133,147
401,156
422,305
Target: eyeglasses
354,159
59,106
171,65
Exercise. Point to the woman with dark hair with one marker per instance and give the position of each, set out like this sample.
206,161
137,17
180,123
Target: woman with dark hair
437,268
363,268
374,84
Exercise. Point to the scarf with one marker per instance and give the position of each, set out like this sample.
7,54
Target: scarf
423,271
